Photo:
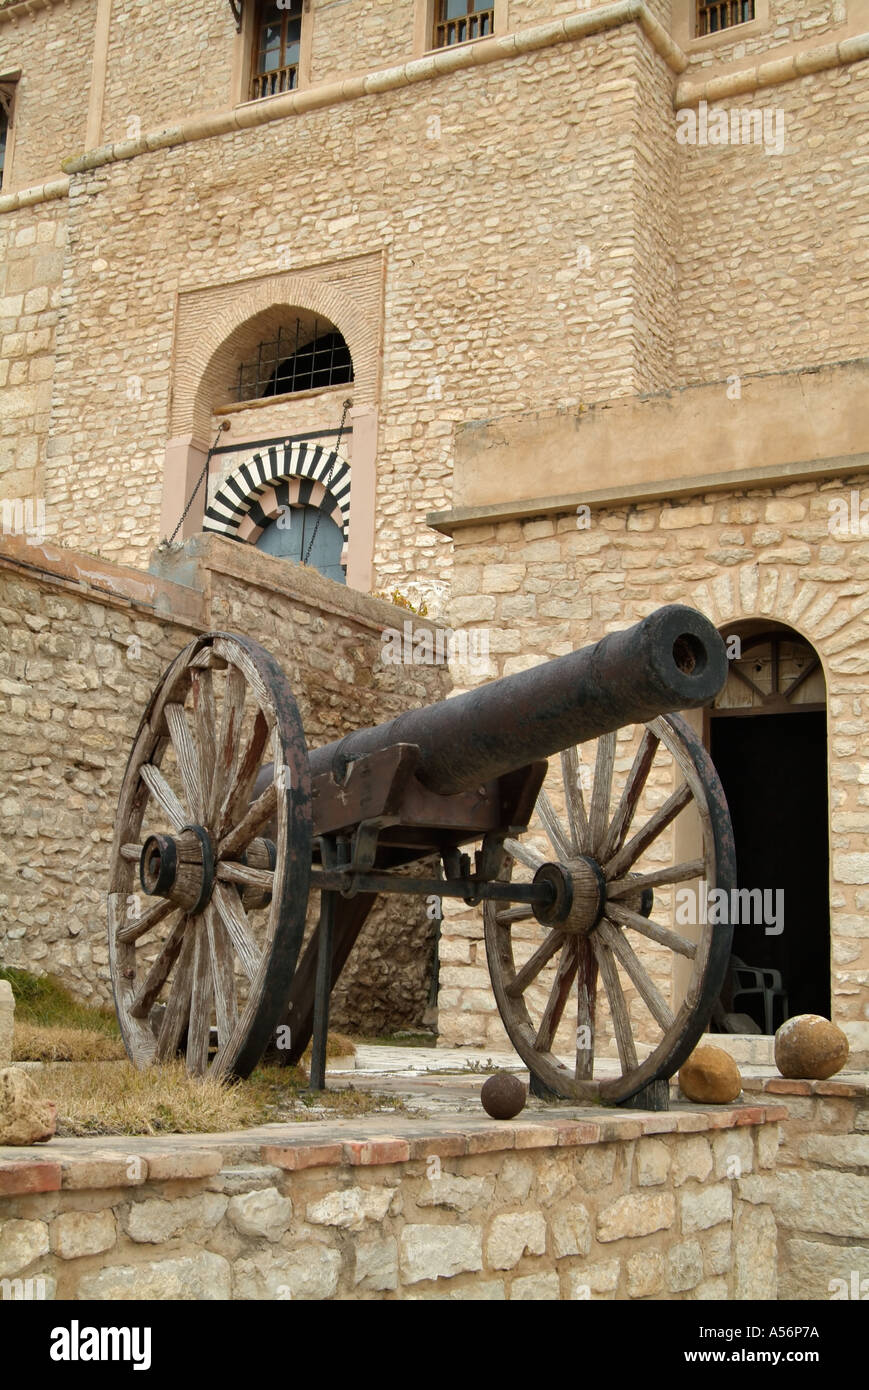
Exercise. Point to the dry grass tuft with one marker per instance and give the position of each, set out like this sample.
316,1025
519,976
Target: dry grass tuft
116,1098
32,1042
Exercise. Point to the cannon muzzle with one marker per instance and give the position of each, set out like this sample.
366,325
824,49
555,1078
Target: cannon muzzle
674,659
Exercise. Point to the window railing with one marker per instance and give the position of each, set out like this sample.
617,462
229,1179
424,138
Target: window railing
724,14
474,23
270,84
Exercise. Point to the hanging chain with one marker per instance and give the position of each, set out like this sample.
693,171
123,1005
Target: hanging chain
327,480
224,425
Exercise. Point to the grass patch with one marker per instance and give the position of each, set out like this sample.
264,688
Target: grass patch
116,1098
44,1001
34,1042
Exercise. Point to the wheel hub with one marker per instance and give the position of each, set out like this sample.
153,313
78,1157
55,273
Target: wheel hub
179,867
580,895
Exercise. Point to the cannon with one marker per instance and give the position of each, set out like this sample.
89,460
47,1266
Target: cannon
225,824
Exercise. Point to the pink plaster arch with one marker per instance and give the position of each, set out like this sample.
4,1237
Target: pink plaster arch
201,377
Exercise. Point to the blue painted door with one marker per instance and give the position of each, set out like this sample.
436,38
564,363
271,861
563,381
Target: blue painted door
292,533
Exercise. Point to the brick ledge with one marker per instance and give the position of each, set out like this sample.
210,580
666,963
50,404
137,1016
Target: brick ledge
84,1164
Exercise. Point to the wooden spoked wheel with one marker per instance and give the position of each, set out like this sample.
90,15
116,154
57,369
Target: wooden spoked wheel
614,870
208,889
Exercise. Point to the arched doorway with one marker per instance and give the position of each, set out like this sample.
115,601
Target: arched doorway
767,735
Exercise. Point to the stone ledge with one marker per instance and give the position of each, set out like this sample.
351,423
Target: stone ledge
772,73
78,1166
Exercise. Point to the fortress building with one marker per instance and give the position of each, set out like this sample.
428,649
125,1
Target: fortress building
544,313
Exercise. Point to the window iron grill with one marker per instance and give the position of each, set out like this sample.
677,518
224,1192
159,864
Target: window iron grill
457,21
289,363
724,14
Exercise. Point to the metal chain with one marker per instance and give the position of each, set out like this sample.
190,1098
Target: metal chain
327,480
221,427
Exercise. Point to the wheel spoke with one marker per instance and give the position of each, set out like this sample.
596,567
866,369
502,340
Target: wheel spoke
151,917
146,995
188,761
535,963
601,790
627,957
654,827
676,873
177,1014
231,718
163,795
576,814
522,913
204,725
132,852
199,1032
223,974
557,998
531,858
621,821
664,936
586,990
618,1004
262,879
232,914
259,813
552,826
237,798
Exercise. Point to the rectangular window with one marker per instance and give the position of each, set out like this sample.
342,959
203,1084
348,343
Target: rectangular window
276,47
724,14
456,21
7,98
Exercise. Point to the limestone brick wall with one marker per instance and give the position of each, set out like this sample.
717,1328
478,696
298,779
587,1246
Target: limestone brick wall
32,245
771,266
53,47
617,1208
544,586
820,1193
82,646
195,44
461,337
361,34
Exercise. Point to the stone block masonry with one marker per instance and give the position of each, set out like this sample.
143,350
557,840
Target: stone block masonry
547,1207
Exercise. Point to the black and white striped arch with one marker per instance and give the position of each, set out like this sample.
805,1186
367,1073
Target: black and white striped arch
290,473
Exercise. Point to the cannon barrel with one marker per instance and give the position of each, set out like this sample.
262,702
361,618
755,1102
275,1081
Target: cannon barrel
674,659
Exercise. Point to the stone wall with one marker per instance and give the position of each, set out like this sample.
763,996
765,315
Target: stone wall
820,1193
82,645
548,1208
768,277
547,585
32,245
53,48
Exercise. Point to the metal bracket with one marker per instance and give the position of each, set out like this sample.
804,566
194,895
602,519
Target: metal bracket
237,7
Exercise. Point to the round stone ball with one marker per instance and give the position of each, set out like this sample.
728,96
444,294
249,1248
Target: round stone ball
810,1048
710,1076
503,1095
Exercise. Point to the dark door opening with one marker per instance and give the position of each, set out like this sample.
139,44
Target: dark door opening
774,771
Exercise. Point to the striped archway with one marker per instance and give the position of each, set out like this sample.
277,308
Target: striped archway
295,475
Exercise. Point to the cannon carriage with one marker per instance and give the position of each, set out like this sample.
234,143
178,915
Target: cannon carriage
225,824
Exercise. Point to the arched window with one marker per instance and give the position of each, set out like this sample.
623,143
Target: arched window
306,354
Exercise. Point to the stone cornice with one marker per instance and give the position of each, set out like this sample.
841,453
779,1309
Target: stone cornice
760,75
663,490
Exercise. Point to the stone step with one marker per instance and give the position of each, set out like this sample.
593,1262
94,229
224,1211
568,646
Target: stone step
746,1049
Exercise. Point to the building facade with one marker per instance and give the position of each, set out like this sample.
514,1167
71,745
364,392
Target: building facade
544,313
